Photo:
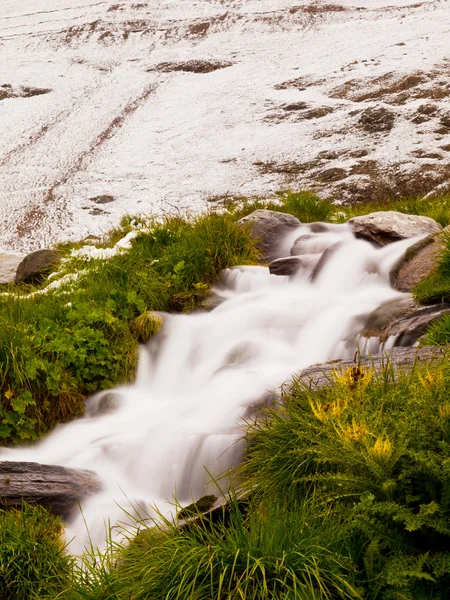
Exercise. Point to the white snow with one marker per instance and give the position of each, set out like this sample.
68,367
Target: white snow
164,141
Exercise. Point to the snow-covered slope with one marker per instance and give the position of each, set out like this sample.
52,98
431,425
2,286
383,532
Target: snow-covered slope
110,107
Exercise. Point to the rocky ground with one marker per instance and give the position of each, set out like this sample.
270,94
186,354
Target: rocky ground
110,107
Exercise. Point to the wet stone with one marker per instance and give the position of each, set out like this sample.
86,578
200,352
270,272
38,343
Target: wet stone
286,266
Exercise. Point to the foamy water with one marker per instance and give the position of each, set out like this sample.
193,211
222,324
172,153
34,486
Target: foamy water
181,422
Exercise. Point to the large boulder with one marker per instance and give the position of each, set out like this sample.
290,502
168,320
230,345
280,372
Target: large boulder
269,227
8,267
56,488
385,227
35,265
417,263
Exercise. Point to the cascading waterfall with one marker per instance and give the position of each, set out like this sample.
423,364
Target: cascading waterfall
181,422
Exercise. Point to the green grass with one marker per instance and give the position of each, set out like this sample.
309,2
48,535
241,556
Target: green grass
376,452
306,206
436,287
33,563
344,494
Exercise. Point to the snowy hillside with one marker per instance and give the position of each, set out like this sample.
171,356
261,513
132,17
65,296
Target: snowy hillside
109,108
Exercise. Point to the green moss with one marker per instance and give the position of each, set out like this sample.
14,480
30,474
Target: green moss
202,505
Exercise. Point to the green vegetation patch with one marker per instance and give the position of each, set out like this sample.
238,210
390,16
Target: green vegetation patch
59,345
33,563
375,451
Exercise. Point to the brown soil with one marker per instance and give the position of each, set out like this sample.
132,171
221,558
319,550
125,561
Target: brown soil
300,83
383,185
191,66
298,114
392,89
7,91
30,221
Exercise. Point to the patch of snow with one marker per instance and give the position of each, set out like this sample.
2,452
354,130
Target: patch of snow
161,142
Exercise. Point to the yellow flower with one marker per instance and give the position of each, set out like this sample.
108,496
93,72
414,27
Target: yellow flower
354,376
382,449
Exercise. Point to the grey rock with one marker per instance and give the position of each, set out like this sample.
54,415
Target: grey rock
56,488
268,227
300,247
402,359
417,263
8,267
102,199
286,266
318,227
311,244
403,318
35,265
384,227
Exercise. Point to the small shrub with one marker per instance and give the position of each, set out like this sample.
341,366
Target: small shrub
376,453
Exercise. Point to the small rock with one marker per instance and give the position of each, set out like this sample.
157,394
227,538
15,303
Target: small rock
416,263
318,227
269,227
333,174
427,109
317,113
286,266
8,267
295,106
299,246
384,227
445,120
35,265
102,199
56,488
376,120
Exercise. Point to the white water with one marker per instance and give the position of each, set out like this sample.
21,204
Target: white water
204,373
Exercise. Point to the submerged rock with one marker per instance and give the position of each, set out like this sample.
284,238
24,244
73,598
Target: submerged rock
417,263
286,266
269,227
384,227
56,488
34,266
405,319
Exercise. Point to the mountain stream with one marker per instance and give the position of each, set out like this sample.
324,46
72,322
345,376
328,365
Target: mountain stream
204,374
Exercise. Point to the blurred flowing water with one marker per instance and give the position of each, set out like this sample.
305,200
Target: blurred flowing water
181,422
